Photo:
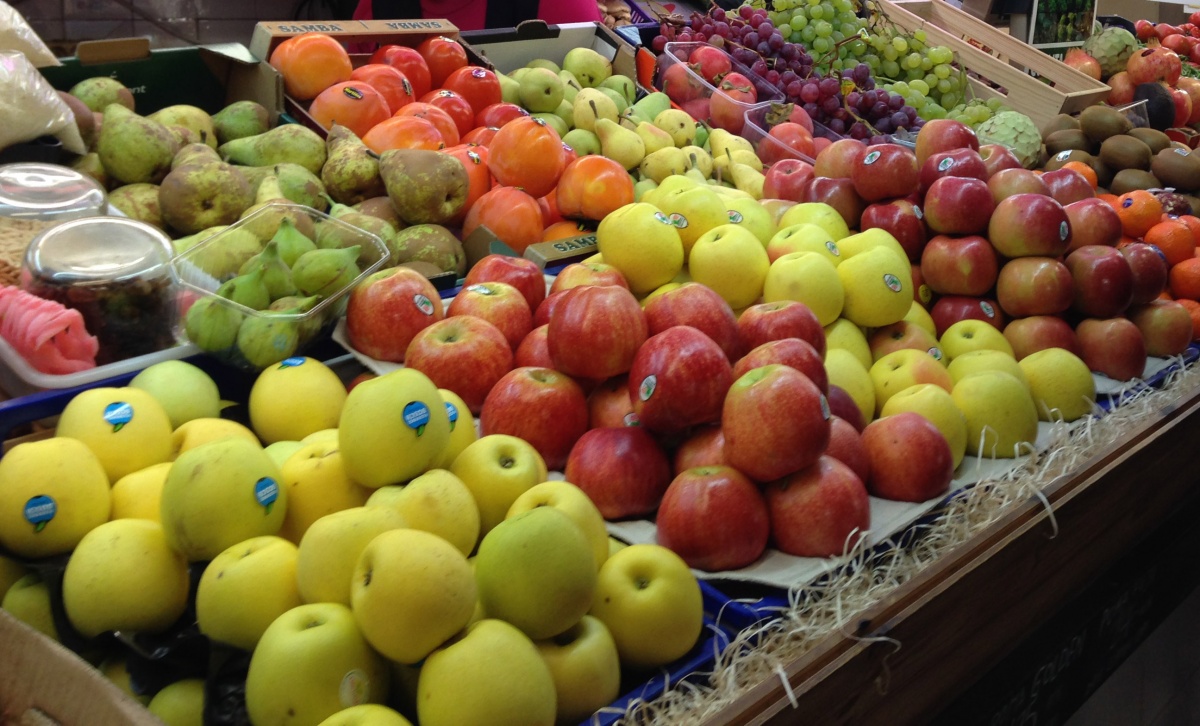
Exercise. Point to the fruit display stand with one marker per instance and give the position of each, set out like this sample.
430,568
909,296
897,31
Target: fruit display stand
510,48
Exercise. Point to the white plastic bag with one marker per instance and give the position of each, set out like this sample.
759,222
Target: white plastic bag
15,34
30,107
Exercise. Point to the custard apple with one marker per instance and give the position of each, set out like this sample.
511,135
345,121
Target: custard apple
1016,131
1112,48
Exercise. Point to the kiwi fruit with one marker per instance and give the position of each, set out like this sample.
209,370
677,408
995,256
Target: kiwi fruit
1125,152
1155,139
1104,175
1060,159
1177,168
1128,180
1160,107
1066,140
1100,122
1061,122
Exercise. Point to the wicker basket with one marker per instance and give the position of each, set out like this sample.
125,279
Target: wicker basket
15,236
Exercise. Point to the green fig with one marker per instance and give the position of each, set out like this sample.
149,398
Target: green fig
276,275
248,290
225,255
291,242
295,305
266,339
325,272
212,325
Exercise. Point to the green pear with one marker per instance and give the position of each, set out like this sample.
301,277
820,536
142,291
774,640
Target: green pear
617,99
332,235
653,137
212,325
584,142
543,63
566,112
590,105
291,242
699,160
424,186
287,143
325,272
571,85
182,135
541,90
300,185
678,124
351,170
225,255
239,120
138,201
255,175
555,122
263,217
623,85
134,149
382,208
90,165
191,118
248,290
642,187
663,163
194,153
510,88
431,243
197,196
267,339
99,92
702,137
589,67
620,144
85,120
651,105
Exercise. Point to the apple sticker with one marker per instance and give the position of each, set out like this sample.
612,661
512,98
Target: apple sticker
39,511
423,304
416,416
117,414
452,412
266,491
646,390
293,362
893,283
870,158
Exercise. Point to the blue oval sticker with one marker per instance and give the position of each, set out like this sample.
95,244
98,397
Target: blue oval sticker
118,414
266,491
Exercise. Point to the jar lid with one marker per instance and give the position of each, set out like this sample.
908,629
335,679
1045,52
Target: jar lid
48,192
98,250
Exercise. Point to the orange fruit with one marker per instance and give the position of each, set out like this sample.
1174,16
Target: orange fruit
1086,171
1112,199
391,84
1193,309
511,214
403,132
1174,239
310,63
352,104
564,230
1185,279
1193,223
1139,211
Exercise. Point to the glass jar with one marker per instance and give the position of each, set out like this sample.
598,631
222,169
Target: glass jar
48,193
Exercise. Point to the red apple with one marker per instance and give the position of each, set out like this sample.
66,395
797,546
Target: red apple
885,171
820,511
896,473
844,407
900,336
596,331
534,350
609,404
956,162
792,352
1027,225
997,158
1191,87
845,445
465,354
958,205
922,295
944,135
1113,347
837,160
1165,325
1093,222
704,447
1068,186
1103,281
838,193
679,379
700,307
959,265
1150,271
785,179
519,272
360,378
776,422
765,322
578,274
714,518
541,406
541,316
1010,182
1122,89
387,309
1034,286
949,309
623,470
903,220
1039,332
1183,107
498,303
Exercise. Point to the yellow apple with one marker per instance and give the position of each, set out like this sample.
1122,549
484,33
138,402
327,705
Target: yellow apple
615,545
861,242
204,430
844,334
651,603
846,372
573,502
52,493
584,664
292,399
330,549
804,237
139,495
753,216
491,674
320,437
809,278
903,368
184,391
878,286
411,592
281,451
968,335
462,427
1061,384
368,714
392,428
985,359
1002,421
180,703
694,212
643,244
10,572
436,502
116,669
317,484
312,662
28,600
820,214
124,575
219,494
497,469
937,406
731,261
126,428
536,570
919,315
245,588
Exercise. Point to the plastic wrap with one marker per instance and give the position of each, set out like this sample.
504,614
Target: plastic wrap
15,34
31,108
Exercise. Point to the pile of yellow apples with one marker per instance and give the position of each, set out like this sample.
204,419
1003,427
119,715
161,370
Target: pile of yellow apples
367,547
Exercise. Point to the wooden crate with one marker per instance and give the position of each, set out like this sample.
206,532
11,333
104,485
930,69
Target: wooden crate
1001,60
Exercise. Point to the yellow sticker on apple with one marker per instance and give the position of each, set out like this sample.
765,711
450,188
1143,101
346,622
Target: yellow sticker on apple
925,294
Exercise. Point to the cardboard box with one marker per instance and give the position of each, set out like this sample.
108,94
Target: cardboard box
43,683
510,48
209,77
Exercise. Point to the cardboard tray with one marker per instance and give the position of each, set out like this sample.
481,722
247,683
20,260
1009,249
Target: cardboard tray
210,77
507,49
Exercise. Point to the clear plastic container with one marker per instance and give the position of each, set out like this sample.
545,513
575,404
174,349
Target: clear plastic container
693,94
758,132
48,193
255,339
